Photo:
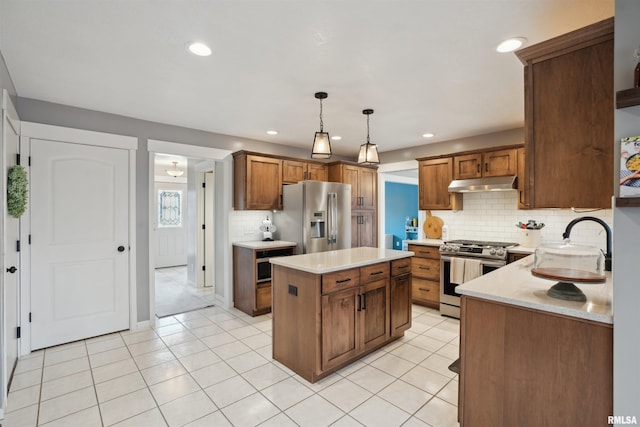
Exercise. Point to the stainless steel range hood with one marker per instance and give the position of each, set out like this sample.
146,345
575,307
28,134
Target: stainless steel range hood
494,183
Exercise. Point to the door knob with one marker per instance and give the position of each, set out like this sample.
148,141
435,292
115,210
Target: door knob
12,269
120,248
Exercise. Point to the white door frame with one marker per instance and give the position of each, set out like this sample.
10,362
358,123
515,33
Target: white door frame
154,147
78,136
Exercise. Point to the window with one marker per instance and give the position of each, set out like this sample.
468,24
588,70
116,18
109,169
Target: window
169,208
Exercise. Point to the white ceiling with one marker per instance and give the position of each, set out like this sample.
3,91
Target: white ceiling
423,66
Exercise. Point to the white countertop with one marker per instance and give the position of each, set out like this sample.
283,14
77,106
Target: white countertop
259,244
514,284
341,259
425,242
521,249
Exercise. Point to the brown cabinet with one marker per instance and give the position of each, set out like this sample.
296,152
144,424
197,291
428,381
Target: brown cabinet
252,277
486,164
425,275
525,367
257,182
323,322
434,177
569,137
364,199
514,256
294,171
523,193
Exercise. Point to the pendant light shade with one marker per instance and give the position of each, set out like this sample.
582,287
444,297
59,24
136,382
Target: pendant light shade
321,141
368,154
175,172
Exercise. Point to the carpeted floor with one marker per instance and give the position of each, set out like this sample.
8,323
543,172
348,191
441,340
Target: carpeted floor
174,295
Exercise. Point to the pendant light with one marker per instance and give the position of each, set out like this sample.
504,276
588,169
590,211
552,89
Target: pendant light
321,144
175,172
368,154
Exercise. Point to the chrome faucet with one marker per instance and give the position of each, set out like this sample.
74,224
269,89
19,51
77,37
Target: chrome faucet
608,255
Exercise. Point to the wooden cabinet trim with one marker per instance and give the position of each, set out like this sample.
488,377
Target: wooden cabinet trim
340,280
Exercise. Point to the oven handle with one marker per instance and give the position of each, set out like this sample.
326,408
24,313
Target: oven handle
485,261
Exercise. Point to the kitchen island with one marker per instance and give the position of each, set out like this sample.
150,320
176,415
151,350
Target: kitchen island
331,308
527,359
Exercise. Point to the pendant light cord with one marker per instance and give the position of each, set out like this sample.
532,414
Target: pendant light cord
321,124
367,128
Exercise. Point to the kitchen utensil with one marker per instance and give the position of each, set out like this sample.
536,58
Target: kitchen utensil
433,226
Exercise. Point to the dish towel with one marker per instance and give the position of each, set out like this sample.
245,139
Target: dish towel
472,269
456,272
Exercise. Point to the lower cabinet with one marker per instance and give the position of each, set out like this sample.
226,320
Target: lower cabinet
425,269
353,312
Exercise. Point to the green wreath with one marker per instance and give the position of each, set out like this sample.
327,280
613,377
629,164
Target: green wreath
16,191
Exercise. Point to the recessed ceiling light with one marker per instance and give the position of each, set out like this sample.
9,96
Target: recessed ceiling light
509,45
428,135
199,49
272,132
336,137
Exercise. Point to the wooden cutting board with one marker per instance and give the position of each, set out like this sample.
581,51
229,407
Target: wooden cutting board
433,226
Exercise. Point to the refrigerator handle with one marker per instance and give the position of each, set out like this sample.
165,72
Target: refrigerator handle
332,209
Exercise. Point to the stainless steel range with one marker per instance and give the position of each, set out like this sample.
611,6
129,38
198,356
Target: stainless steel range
476,257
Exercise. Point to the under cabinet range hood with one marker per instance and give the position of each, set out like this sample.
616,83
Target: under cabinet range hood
494,183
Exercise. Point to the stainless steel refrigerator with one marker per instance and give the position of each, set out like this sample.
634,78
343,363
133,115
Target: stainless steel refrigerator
316,215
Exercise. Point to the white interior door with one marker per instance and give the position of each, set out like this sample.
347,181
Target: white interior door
209,228
79,246
171,230
10,260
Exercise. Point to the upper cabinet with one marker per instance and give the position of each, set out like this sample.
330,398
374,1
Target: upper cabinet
257,182
363,180
294,171
491,163
434,177
569,139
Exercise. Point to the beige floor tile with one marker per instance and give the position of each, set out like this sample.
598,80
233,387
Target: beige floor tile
65,347
89,417
147,360
451,351
345,394
439,413
449,393
287,393
415,422
64,355
247,361
425,379
164,321
220,317
310,411
244,332
120,386
230,391
213,374
113,370
216,340
23,417
162,372
170,329
144,347
174,388
65,368
265,376
405,396
266,352
138,336
29,364
113,342
427,343
257,341
235,323
66,404
411,353
152,418
188,408
439,364
441,333
250,411
63,385
187,348
227,351
178,338
346,421
205,331
265,325
109,356
282,420
196,361
22,398
378,412
371,379
216,419
126,406
196,322
393,365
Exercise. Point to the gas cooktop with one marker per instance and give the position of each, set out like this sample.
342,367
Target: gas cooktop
476,248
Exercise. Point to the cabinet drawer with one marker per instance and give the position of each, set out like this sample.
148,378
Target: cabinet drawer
263,295
340,280
374,272
425,268
425,290
425,251
400,266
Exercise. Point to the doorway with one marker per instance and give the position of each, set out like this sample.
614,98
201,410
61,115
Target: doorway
183,198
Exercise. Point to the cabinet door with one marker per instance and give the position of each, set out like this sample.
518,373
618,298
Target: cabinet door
339,320
400,304
523,186
264,183
293,171
500,163
363,229
317,172
434,177
367,185
350,176
374,307
467,167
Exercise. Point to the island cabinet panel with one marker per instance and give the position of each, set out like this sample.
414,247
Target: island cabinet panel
525,367
322,322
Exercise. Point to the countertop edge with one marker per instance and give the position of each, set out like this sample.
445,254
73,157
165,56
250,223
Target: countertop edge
389,255
259,244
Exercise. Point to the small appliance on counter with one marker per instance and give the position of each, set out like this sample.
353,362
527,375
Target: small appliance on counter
267,229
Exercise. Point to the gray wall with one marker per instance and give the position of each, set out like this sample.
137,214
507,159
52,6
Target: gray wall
626,289
5,80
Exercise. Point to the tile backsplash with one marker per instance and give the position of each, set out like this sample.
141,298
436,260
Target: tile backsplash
244,226
494,215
